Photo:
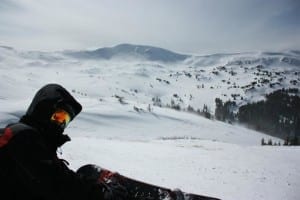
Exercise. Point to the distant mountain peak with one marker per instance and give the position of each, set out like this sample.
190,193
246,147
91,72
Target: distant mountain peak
129,50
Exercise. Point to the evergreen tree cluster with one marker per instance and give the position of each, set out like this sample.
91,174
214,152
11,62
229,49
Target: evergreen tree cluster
157,101
224,111
278,115
204,112
291,141
270,142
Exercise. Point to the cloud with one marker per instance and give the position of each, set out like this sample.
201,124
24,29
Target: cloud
7,5
200,26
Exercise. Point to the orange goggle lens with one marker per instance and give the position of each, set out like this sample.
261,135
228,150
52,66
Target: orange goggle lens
61,117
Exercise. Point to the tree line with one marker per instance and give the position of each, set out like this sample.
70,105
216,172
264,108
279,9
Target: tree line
277,115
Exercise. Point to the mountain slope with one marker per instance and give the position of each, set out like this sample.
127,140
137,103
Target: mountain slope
194,81
117,128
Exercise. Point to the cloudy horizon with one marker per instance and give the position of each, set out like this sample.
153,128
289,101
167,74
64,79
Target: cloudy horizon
192,26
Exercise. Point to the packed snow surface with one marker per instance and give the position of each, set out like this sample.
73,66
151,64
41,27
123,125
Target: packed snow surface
118,130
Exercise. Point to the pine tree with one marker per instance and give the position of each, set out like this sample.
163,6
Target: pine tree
270,142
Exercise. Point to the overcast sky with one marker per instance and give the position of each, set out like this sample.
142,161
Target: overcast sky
188,26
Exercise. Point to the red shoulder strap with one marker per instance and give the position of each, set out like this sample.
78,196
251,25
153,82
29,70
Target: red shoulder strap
10,131
7,135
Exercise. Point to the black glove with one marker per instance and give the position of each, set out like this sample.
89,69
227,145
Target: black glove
114,190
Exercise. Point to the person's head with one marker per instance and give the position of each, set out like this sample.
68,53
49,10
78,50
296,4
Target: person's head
51,110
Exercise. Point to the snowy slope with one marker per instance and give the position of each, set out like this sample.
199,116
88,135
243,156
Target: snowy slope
164,146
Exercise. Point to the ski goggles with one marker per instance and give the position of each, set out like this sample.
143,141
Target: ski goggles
61,117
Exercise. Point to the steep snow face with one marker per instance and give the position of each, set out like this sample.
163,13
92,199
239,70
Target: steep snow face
118,129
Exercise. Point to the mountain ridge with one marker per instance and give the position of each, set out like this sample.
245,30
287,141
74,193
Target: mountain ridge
129,50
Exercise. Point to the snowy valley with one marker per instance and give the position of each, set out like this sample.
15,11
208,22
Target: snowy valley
128,124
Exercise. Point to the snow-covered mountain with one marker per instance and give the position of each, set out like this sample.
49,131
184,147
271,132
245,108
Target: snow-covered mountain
144,74
120,127
128,51
258,58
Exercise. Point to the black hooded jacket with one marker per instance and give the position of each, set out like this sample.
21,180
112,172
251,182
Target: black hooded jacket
29,166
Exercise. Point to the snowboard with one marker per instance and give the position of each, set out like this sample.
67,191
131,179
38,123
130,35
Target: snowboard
137,190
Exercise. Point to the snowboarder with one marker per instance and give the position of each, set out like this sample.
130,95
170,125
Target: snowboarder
29,165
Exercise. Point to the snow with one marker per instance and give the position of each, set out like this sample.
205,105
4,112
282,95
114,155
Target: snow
171,148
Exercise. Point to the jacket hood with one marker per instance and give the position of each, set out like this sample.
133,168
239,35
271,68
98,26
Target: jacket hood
50,97
45,102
